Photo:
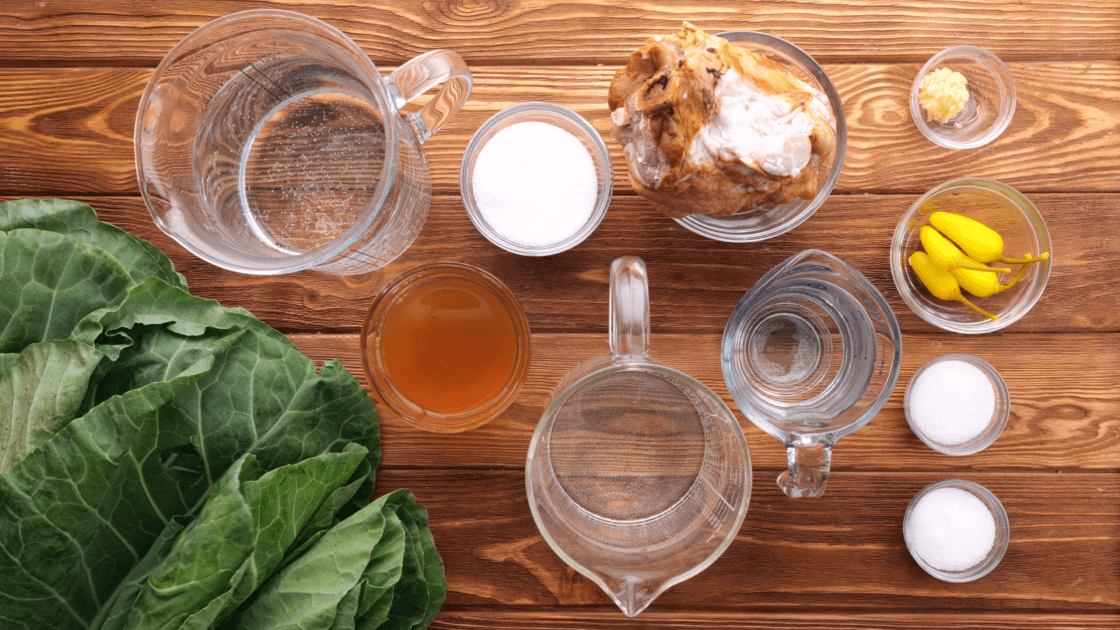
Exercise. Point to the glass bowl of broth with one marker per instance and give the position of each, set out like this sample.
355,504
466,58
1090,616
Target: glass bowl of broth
446,346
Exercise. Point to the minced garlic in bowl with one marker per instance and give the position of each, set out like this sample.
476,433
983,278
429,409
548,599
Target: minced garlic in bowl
943,94
958,117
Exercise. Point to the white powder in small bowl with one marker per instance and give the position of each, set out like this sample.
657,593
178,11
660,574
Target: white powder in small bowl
534,184
951,402
952,529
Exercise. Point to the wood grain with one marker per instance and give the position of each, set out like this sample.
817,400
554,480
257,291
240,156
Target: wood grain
695,282
70,130
1063,408
843,552
73,72
595,31
658,619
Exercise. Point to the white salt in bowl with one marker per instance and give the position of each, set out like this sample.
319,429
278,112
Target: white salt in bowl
995,554
995,424
570,122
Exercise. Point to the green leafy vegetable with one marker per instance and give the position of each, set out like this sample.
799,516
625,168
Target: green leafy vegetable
360,555
40,393
238,540
423,587
162,457
49,283
79,222
376,569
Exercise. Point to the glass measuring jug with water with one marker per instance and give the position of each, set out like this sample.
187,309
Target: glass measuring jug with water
638,475
267,142
810,354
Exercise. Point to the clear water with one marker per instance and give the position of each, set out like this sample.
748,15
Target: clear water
807,353
291,152
628,447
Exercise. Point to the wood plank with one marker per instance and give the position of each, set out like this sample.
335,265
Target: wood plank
568,618
70,130
1063,405
841,553
537,31
695,282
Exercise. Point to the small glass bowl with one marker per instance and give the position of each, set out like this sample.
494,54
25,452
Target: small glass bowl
995,424
1003,532
1001,208
762,222
558,116
991,101
465,279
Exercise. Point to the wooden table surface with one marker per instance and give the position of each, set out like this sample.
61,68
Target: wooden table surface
71,75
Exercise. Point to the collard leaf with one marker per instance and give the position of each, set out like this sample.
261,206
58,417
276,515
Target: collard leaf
41,393
80,511
52,215
6,361
410,595
328,513
79,222
119,607
246,394
183,390
432,563
238,539
49,283
382,574
323,588
265,397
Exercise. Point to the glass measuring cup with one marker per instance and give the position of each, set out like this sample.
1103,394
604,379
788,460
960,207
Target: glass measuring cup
267,142
638,475
810,354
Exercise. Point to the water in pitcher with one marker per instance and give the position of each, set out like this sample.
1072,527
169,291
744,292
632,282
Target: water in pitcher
628,448
294,151
809,353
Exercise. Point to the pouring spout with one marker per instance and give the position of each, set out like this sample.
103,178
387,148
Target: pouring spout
633,594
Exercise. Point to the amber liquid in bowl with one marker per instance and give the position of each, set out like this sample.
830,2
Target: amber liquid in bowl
449,346
446,346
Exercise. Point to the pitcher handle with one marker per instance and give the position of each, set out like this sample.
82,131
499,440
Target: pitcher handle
807,476
629,327
422,74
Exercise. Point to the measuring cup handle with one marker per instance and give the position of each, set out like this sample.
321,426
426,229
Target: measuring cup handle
808,470
629,331
422,74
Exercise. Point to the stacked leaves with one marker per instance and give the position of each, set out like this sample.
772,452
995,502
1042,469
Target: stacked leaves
169,463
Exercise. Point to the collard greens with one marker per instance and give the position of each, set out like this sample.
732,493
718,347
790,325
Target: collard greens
169,463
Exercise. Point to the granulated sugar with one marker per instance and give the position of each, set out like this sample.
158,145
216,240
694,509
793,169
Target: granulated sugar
952,529
951,402
535,184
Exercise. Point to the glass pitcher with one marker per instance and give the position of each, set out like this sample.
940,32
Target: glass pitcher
638,475
267,142
810,354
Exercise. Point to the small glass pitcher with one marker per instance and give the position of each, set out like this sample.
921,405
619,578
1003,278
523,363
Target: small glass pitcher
267,142
810,354
638,475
